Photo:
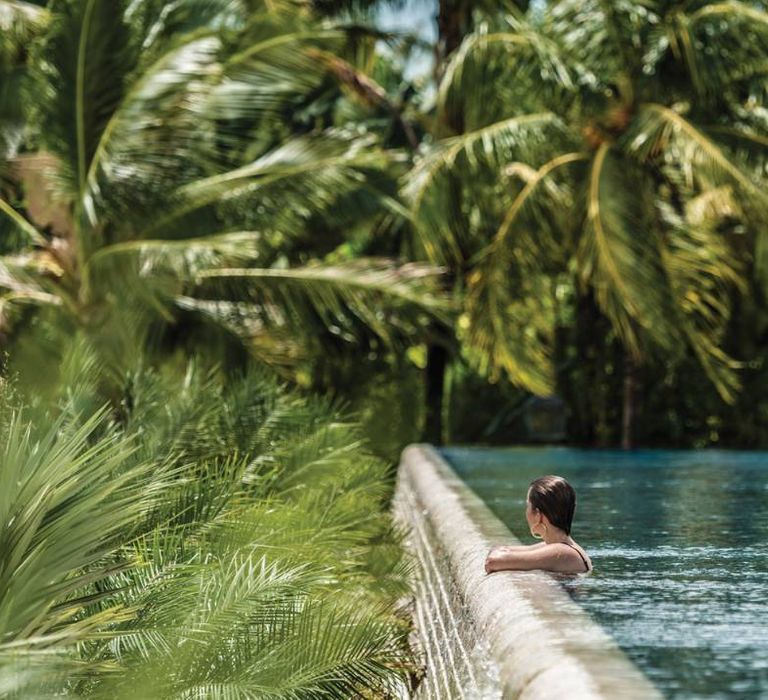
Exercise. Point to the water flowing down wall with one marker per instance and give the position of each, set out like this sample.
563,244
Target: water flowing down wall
504,635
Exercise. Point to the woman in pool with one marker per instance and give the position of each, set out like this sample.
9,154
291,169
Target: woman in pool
549,509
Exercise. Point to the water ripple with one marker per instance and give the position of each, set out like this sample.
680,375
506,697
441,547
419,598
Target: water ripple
680,546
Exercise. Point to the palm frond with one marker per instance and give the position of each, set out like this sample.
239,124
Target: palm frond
156,271
746,144
22,224
277,66
369,290
431,185
80,74
64,505
19,22
704,271
492,146
477,87
212,573
156,131
25,274
538,201
505,330
23,294
601,37
156,24
353,652
731,8
314,170
619,253
30,296
18,11
662,132
311,651
721,44
166,121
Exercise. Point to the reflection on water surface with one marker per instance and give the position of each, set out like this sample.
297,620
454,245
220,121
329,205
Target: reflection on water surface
679,540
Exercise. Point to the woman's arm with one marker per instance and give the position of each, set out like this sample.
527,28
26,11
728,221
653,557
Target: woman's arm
518,547
548,557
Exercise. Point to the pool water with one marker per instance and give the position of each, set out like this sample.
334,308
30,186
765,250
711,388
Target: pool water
679,542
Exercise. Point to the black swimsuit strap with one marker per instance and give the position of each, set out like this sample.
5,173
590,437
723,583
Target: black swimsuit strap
586,565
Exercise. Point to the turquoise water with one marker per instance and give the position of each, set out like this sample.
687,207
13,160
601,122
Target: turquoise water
679,540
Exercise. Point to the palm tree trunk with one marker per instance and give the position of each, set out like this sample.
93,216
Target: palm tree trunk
454,19
629,402
454,22
588,334
437,363
563,383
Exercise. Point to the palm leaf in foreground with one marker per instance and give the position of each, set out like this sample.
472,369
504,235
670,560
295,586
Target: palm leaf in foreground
67,501
243,569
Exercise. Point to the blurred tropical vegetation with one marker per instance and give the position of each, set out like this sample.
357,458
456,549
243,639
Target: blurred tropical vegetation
247,253
598,191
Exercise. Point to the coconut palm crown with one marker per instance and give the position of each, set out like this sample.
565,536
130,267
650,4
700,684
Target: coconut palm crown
168,157
620,143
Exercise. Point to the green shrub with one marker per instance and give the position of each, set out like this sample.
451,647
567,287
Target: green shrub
202,537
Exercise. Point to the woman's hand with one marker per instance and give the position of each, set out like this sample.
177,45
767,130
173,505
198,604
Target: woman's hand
493,559
501,554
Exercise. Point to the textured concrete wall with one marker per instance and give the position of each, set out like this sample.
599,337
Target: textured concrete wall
507,635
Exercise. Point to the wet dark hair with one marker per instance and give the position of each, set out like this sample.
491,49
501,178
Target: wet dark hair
555,497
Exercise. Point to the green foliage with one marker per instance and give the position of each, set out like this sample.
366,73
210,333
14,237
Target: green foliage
83,64
636,116
201,537
162,133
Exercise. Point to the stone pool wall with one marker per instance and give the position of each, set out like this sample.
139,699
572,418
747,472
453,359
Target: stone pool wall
507,635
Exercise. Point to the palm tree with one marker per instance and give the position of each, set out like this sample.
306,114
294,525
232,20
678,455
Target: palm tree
618,144
196,538
454,20
163,152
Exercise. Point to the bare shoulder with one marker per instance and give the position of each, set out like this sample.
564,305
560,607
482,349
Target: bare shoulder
575,554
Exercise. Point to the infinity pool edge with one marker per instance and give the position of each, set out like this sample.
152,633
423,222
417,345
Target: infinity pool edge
504,635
